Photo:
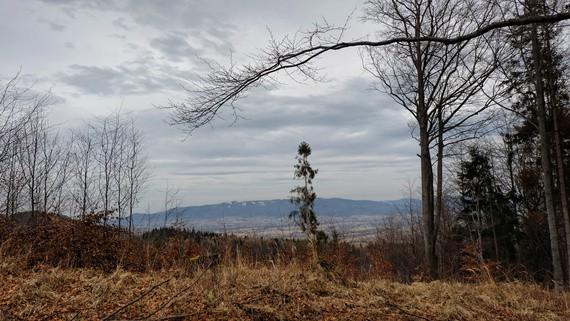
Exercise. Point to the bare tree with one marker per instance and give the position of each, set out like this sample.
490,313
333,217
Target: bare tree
19,109
438,84
109,167
136,165
30,157
12,181
534,65
119,169
108,130
17,104
96,168
545,152
294,55
52,168
171,203
61,185
83,169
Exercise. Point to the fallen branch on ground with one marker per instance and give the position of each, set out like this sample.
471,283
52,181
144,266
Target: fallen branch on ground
140,297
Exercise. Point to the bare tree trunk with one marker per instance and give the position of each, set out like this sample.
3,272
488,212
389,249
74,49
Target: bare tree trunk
479,234
425,159
513,192
131,205
439,186
562,185
84,196
554,105
495,243
427,202
546,161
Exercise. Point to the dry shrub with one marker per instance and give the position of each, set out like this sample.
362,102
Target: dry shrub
52,240
348,261
48,239
356,262
262,293
474,269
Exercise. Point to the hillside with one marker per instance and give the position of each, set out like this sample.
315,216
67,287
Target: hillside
240,293
81,270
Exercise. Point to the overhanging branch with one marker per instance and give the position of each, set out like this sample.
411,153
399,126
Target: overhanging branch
223,86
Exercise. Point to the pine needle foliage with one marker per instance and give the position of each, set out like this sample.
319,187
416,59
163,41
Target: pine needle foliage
304,196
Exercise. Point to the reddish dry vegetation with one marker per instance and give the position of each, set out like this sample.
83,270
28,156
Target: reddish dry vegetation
68,270
47,239
245,293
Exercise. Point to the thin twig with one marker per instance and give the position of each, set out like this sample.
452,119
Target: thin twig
140,297
404,311
179,317
162,306
390,303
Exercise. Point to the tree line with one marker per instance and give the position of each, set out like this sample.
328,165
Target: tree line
97,168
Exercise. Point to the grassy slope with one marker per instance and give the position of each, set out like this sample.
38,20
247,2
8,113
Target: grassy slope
264,294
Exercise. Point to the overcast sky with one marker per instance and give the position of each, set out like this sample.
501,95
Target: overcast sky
97,56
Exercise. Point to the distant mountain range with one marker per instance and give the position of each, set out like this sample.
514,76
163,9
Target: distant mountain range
262,216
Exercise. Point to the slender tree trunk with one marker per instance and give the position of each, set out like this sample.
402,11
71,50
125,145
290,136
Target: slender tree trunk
425,158
84,200
46,194
495,243
11,188
438,210
119,208
559,159
131,204
562,186
546,160
106,213
492,203
513,195
33,181
427,202
479,236
439,186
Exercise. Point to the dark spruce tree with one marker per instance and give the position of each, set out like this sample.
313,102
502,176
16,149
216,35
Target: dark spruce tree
487,217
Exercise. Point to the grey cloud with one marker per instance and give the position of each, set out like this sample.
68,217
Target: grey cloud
102,4
169,15
267,149
99,80
56,26
136,77
360,140
121,23
175,47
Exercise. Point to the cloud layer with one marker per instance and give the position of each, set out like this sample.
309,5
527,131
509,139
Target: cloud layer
99,55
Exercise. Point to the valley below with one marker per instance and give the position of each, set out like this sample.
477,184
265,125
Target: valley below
352,220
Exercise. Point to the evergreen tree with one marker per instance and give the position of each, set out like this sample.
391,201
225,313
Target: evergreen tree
304,198
487,213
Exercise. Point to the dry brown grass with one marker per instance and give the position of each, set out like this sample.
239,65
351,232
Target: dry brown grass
246,293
